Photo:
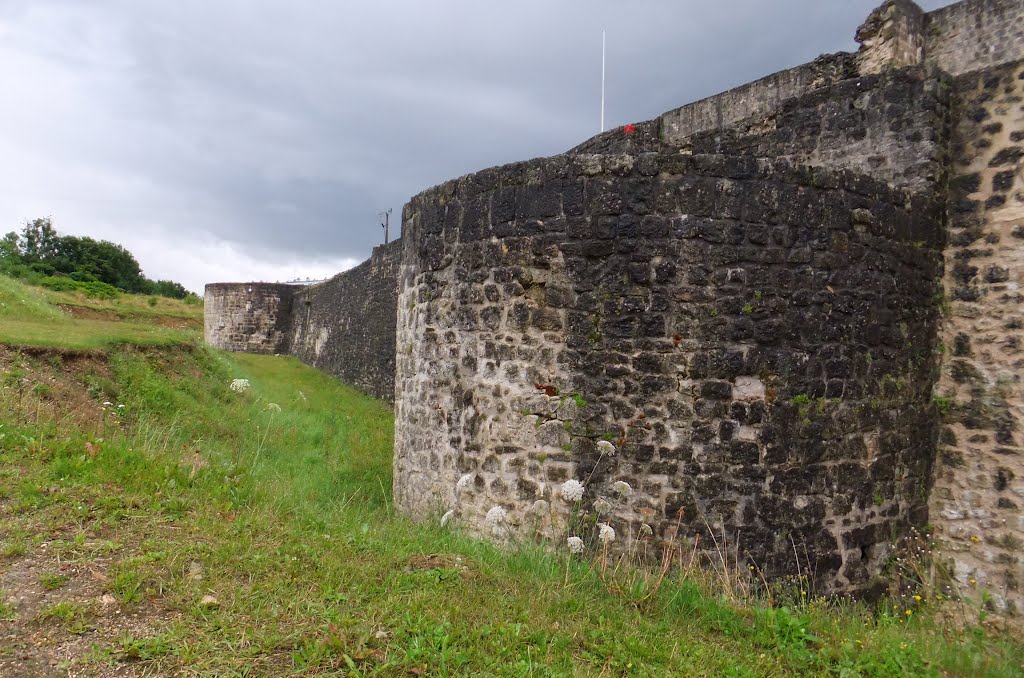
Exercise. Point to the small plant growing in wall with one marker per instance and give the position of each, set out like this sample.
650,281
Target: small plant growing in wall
943,404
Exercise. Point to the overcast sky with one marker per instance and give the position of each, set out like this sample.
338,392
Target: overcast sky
257,140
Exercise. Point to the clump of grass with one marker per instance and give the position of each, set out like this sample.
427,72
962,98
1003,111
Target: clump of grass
136,648
52,581
127,585
13,549
73,617
7,610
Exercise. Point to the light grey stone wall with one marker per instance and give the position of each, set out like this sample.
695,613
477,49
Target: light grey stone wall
975,34
979,482
248,317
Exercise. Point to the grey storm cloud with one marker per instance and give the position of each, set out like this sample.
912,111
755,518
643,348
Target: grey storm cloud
279,129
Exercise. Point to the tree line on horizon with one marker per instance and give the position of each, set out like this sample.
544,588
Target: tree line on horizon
40,255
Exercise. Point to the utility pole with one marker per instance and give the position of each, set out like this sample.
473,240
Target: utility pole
386,216
602,80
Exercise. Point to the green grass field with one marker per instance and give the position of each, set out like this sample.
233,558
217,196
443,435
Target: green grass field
37,317
155,522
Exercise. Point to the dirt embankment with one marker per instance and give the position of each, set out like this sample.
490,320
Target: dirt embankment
170,321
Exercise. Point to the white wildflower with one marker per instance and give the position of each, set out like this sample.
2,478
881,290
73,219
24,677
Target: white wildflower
120,407
273,407
495,519
447,517
606,533
646,530
575,545
572,490
622,488
464,482
107,403
239,385
606,448
602,506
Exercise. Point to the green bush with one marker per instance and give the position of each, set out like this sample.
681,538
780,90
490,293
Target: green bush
90,289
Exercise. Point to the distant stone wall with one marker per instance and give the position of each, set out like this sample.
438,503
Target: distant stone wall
975,34
248,317
979,488
346,325
756,340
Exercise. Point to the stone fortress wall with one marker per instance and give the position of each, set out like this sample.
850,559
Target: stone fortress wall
248,317
790,310
756,339
344,326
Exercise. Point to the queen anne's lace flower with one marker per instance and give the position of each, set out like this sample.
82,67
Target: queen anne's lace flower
606,448
575,545
273,407
622,488
646,530
606,533
239,385
572,490
602,506
495,519
464,482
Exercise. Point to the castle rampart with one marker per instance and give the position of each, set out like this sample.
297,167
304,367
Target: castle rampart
346,325
756,340
248,317
788,310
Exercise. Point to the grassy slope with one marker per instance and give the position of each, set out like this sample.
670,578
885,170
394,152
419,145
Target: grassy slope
36,317
191,490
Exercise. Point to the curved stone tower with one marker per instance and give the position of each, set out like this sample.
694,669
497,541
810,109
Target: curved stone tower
755,339
248,317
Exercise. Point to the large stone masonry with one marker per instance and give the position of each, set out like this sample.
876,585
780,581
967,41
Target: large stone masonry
754,339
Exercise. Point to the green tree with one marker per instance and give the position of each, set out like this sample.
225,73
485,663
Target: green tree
9,247
81,257
40,251
39,242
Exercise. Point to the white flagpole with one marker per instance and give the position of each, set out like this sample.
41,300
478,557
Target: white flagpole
602,80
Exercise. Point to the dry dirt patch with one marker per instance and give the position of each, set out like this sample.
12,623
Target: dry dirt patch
38,643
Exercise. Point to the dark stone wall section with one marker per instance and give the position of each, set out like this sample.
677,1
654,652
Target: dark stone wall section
893,126
757,339
346,325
